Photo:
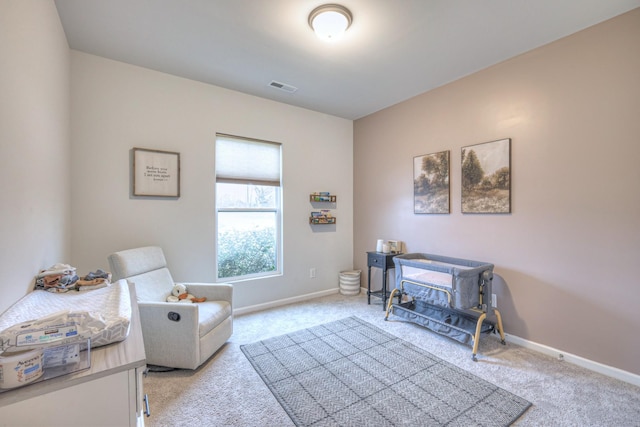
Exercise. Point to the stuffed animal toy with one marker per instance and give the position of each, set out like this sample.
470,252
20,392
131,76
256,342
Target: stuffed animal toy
179,294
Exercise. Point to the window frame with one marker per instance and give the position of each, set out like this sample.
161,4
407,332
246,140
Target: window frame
277,210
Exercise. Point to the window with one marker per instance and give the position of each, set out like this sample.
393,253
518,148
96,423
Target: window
248,208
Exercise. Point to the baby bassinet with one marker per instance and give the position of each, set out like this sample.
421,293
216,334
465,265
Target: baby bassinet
450,296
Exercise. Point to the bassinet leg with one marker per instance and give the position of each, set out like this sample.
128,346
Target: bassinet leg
390,303
476,337
503,342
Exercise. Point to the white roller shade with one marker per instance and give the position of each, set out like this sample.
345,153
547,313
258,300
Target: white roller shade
247,161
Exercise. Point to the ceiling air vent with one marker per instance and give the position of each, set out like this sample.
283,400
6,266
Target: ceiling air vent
283,86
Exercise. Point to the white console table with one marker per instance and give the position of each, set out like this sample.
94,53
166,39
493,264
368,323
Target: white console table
109,393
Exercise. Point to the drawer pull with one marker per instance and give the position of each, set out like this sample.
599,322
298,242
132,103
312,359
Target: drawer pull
147,411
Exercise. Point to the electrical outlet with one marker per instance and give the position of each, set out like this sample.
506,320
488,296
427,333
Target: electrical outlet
312,273
494,301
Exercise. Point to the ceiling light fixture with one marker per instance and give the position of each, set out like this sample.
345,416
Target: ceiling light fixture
330,21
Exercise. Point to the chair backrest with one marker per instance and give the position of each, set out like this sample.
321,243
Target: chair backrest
147,268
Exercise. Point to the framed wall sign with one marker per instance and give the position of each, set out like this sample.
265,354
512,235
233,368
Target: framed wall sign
156,173
486,177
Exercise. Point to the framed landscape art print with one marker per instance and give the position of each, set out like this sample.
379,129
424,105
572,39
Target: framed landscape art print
431,193
486,177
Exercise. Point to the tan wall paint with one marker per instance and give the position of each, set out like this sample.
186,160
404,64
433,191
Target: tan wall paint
117,106
566,256
34,144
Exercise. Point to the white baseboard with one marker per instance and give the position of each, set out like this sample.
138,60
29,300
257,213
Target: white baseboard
609,371
600,368
281,302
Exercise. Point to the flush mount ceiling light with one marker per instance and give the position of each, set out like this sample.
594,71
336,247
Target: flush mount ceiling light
330,21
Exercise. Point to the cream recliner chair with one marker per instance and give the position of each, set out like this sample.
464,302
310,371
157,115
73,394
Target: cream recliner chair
176,335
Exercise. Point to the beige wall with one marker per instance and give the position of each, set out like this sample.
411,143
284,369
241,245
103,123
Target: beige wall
116,106
53,174
567,254
34,144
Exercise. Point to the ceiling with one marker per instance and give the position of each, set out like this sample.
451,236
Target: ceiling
394,50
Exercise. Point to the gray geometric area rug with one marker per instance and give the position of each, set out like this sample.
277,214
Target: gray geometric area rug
352,373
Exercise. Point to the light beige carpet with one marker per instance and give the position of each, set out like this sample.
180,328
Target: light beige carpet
227,391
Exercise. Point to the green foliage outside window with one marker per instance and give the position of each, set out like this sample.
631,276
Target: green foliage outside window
245,252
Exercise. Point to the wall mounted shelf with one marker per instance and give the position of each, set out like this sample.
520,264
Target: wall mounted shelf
322,220
323,216
322,197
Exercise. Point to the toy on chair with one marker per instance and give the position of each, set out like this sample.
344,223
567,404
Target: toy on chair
179,293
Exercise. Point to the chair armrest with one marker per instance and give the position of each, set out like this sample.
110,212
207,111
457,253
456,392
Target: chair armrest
212,291
154,317
171,333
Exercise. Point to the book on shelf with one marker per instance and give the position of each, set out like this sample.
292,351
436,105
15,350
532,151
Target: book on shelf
322,196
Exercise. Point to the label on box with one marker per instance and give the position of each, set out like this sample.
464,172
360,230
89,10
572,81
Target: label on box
46,335
20,368
61,355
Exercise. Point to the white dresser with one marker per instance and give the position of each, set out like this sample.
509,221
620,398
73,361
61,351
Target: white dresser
109,393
